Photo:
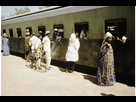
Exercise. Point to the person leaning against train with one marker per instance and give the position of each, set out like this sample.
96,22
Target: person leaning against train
46,46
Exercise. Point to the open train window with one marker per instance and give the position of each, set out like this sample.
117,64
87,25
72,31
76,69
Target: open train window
11,32
117,27
4,31
80,26
41,30
60,29
19,34
30,29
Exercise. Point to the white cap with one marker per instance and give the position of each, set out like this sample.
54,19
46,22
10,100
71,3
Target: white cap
27,29
47,32
55,29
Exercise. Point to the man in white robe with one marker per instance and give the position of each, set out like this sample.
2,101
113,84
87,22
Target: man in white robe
46,47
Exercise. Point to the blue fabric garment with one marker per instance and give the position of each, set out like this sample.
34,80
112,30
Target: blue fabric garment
59,36
5,46
105,73
1,43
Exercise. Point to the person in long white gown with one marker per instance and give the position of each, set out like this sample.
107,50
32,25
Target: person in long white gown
72,52
46,46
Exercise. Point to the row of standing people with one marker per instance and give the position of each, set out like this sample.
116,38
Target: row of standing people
37,45
105,73
71,54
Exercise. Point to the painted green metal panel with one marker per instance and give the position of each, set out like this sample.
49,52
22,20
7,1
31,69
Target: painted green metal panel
95,18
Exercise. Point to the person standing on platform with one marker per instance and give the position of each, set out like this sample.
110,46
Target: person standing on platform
5,42
46,46
72,52
38,52
32,42
27,38
105,73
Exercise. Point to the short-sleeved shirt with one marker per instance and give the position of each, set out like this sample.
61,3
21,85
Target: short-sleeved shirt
33,41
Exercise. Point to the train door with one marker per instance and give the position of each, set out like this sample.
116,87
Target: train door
60,29
80,26
117,27
41,30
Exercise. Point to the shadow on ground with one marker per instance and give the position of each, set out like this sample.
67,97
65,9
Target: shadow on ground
90,78
103,94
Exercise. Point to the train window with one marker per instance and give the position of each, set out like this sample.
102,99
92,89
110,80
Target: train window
116,26
60,29
4,31
11,32
41,30
80,26
30,29
19,32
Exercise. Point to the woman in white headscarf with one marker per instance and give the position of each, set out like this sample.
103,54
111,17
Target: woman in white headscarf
72,52
105,73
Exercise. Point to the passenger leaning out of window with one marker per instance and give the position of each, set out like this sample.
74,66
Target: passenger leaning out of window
84,34
57,35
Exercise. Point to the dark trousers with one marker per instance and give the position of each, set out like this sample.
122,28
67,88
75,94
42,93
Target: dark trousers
70,65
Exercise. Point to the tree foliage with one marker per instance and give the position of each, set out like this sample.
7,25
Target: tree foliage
20,11
2,17
42,7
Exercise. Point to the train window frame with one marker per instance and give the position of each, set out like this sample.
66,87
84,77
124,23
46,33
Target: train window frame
4,31
30,29
60,28
11,32
78,26
43,31
19,32
117,27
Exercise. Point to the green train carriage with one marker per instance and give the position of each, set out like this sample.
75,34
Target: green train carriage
119,20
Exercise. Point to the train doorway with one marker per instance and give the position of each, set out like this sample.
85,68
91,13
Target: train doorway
117,27
80,26
41,30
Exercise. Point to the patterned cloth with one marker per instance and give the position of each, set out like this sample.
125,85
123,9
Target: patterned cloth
105,73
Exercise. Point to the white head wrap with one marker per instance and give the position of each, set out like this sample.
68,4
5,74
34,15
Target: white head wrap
72,38
108,34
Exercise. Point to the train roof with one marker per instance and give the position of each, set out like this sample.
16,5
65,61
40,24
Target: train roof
33,12
47,12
